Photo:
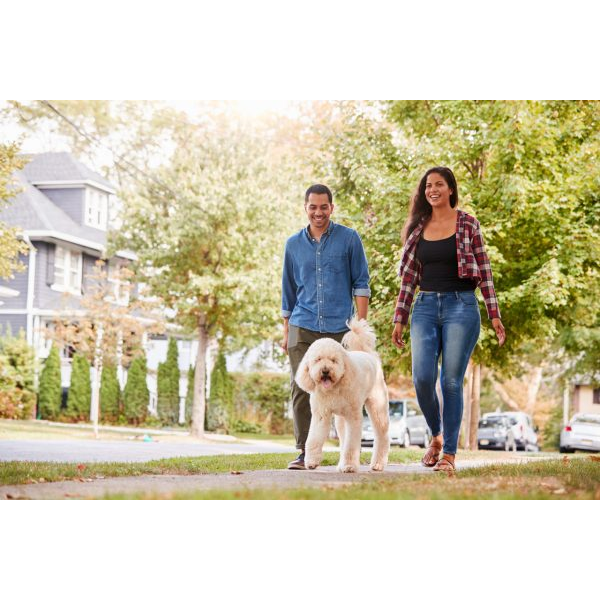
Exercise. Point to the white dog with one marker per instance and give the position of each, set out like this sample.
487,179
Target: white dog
340,382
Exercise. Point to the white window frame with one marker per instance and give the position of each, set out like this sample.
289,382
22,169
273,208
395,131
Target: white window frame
116,284
72,260
96,209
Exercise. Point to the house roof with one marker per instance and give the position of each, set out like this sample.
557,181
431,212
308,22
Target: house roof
49,167
31,210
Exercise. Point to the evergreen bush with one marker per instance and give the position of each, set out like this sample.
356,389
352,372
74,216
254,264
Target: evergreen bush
136,395
16,377
189,397
80,390
50,387
219,411
168,386
110,394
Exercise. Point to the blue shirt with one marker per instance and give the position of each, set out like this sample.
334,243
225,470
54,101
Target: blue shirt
321,278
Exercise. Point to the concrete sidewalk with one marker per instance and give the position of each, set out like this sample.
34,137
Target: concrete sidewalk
279,479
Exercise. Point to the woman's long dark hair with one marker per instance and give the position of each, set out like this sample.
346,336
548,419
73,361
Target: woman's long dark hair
420,209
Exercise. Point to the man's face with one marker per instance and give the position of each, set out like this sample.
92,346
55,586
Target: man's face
319,210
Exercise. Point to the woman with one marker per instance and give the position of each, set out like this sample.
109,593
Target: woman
445,256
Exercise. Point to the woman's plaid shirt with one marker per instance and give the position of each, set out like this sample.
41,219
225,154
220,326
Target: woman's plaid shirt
473,263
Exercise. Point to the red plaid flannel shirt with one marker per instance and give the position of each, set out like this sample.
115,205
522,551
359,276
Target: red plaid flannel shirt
473,263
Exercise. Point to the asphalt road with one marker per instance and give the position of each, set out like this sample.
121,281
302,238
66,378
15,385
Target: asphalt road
124,451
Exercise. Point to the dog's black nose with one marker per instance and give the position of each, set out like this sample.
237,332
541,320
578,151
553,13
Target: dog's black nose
325,371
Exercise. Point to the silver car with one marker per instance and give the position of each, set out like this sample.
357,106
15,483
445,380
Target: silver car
495,432
581,433
407,425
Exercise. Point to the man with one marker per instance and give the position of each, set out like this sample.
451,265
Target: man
324,268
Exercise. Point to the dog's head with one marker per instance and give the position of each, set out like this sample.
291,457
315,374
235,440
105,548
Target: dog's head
324,364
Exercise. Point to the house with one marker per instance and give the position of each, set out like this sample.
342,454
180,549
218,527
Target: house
586,396
62,208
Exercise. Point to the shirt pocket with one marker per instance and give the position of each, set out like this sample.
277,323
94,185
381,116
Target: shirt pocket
337,263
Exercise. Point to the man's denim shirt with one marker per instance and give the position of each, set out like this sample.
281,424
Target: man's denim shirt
321,278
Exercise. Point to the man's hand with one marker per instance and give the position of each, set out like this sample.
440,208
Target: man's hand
397,336
284,342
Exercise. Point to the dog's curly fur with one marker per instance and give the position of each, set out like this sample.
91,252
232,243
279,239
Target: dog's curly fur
341,378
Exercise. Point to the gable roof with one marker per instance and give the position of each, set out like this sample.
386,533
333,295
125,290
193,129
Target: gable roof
50,167
34,212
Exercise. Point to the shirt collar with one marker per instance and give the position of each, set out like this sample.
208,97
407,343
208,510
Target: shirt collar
327,232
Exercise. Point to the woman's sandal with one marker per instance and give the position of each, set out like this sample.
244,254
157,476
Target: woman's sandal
433,454
445,464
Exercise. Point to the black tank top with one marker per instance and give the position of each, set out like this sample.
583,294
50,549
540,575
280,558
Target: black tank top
440,267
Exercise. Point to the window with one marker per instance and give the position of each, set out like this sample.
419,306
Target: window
96,208
67,270
596,396
119,287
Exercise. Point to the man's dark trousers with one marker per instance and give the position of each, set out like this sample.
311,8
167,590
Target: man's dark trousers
299,340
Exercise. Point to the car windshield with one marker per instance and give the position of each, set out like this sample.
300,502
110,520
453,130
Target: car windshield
491,422
595,419
396,409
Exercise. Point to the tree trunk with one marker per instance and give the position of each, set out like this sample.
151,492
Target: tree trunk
199,405
501,391
533,387
467,395
474,416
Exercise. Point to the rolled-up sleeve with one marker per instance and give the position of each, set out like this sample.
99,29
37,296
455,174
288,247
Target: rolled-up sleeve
359,268
288,285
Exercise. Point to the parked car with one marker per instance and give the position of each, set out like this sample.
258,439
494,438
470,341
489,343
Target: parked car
495,432
407,425
525,432
581,433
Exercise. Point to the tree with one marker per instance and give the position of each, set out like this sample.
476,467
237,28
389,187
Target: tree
168,386
220,405
209,240
110,393
80,390
50,387
10,246
136,395
189,397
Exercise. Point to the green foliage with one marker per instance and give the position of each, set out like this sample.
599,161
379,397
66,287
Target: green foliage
168,386
136,395
17,395
261,399
220,405
189,397
526,170
80,390
551,432
110,394
50,387
10,246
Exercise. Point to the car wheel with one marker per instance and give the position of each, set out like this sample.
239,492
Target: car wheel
426,440
406,440
565,450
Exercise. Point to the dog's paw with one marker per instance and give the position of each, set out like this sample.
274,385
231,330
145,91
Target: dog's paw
311,464
377,467
347,468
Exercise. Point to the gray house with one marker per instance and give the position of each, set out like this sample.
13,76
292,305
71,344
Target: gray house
62,208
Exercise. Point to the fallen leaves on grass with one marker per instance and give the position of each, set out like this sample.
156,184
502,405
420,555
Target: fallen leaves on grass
595,458
236,472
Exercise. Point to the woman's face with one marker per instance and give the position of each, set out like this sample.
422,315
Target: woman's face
437,191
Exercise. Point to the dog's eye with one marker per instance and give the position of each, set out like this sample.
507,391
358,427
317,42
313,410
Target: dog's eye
334,361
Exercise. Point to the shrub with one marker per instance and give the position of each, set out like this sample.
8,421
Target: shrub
219,410
168,386
136,395
189,396
50,387
80,390
261,398
110,394
16,378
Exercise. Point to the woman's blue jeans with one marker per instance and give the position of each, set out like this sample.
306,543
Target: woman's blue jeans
445,323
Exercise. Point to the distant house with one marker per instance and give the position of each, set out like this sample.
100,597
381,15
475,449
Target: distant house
586,397
62,207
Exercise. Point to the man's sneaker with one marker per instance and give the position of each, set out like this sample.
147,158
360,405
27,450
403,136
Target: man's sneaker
297,464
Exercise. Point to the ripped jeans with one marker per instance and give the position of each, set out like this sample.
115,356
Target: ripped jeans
445,323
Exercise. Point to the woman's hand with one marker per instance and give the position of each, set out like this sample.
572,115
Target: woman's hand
499,329
397,336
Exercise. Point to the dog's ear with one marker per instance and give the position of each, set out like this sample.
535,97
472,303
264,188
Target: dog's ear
303,377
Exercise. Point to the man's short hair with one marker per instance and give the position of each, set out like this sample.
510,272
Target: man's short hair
318,188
